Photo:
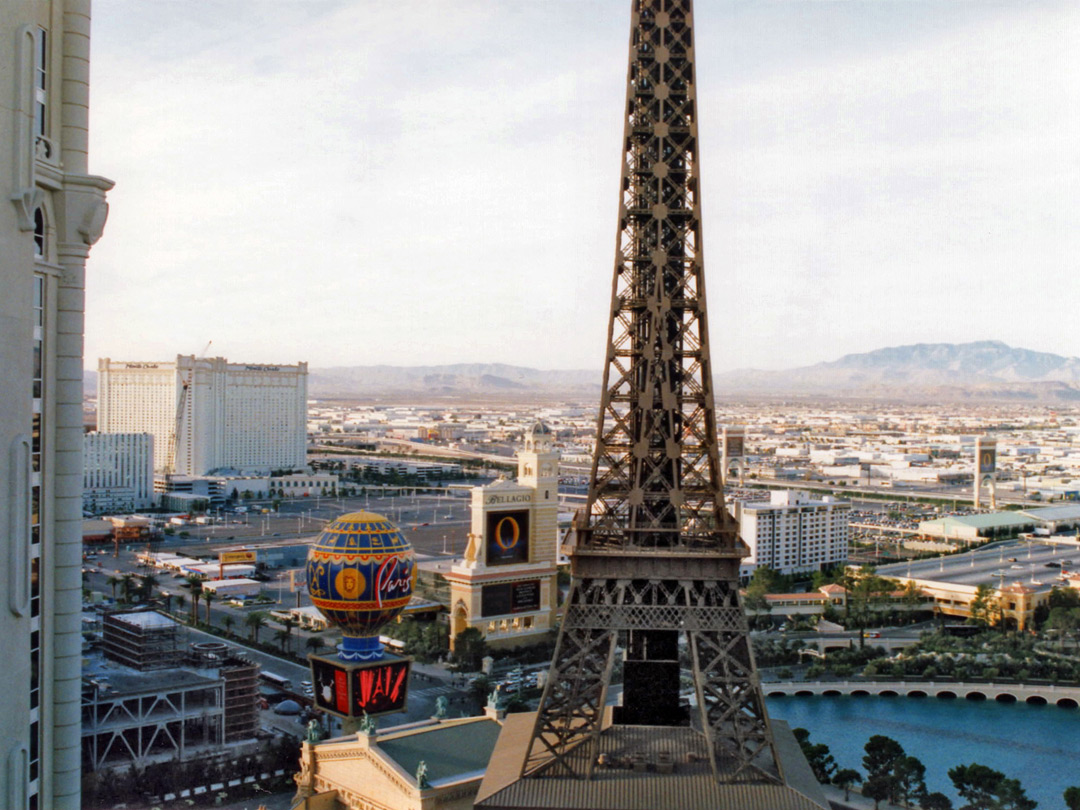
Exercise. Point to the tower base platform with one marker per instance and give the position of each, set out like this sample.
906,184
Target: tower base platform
644,768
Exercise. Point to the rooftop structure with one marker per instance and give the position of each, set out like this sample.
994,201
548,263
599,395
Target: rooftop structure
142,640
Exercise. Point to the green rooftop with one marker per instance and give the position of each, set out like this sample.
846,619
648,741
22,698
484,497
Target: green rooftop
990,520
449,751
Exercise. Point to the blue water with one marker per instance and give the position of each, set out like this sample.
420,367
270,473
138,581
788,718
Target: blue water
1039,745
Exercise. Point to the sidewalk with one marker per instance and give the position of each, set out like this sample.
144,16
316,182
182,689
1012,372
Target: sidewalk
856,801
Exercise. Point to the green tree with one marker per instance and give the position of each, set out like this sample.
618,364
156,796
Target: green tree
984,788
936,801
877,788
480,688
113,582
845,779
147,583
314,643
227,621
910,779
1063,597
128,588
983,606
255,622
817,755
208,597
194,582
289,624
281,637
1072,798
469,648
1064,620
882,754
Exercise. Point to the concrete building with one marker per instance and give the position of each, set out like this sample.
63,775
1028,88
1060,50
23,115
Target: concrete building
208,414
54,212
977,528
506,585
118,472
197,707
793,533
439,763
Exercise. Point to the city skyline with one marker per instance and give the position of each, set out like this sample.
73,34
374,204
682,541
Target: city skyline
873,174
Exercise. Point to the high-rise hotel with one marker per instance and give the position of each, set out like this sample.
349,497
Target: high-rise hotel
207,413
54,211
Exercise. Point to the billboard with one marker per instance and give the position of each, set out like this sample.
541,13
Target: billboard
734,443
354,689
331,682
380,689
987,459
507,537
231,557
510,597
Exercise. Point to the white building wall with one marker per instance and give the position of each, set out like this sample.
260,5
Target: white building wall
51,213
234,415
118,471
138,398
793,533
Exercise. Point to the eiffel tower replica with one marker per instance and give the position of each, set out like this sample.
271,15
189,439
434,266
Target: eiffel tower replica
656,556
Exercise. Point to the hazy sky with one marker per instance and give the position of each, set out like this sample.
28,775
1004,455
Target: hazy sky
361,182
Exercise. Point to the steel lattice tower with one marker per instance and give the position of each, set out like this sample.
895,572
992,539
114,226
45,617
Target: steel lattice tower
656,553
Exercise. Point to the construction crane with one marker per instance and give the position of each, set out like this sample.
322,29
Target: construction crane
181,406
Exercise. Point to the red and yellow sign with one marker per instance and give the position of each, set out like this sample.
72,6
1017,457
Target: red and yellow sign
233,557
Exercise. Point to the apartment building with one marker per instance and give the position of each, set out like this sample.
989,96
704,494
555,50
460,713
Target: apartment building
118,472
793,533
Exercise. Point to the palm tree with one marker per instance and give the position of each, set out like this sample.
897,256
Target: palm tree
195,583
227,622
181,600
146,586
208,597
128,588
314,643
113,581
281,637
255,622
289,623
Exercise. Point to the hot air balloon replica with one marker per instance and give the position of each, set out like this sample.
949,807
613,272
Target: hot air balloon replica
360,575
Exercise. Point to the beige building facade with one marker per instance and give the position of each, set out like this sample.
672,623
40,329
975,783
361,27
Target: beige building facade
506,585
55,210
435,764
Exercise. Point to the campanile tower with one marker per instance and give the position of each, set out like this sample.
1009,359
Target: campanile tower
655,561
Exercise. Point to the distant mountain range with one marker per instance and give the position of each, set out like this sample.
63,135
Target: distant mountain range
986,370
459,379
982,370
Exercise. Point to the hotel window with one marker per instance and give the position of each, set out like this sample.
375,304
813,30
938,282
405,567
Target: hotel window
39,234
41,75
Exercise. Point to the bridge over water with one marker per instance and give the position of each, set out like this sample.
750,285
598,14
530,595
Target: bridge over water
1064,696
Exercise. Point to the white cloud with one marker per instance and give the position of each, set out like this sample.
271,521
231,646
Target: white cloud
359,182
